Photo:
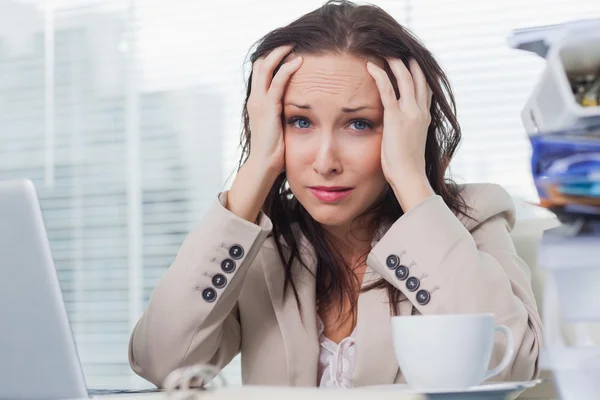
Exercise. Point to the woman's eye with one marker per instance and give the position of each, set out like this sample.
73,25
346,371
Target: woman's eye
304,123
301,123
360,125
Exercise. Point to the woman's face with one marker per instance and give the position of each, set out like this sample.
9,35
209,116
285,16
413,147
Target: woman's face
333,129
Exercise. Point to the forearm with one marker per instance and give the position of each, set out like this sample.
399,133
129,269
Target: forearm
454,271
410,188
250,189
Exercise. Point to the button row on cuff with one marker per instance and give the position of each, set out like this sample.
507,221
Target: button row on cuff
412,283
219,280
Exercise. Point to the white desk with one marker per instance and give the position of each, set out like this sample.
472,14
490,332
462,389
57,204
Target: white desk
252,393
256,393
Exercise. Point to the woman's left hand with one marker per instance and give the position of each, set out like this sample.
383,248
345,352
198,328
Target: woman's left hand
405,124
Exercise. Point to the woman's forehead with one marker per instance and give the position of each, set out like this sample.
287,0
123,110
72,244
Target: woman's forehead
336,75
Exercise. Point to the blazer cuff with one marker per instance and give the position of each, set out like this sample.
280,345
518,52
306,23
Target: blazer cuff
413,248
224,246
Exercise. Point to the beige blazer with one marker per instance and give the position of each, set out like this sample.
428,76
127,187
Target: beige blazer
463,266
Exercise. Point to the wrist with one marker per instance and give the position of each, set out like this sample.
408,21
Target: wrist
250,190
411,189
258,175
263,168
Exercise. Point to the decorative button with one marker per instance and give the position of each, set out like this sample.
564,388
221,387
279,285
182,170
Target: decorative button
392,261
228,265
423,297
412,283
209,295
236,251
219,281
402,272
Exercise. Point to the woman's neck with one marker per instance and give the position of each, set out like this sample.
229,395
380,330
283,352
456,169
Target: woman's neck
352,242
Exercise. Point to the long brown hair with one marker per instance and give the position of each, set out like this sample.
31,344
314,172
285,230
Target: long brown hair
342,27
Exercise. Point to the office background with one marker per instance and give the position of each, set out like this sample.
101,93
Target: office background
126,115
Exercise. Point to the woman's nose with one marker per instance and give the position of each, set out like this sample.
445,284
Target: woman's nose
327,157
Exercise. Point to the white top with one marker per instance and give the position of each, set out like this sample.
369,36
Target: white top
336,361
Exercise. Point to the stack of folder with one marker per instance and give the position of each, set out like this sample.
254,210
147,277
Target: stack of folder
566,171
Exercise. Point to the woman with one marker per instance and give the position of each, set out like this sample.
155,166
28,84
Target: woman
339,217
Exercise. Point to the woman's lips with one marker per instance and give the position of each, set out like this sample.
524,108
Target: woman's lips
330,195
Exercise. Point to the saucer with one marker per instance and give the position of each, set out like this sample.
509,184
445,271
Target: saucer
492,390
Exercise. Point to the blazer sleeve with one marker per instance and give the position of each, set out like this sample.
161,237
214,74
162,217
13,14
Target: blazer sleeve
184,323
471,267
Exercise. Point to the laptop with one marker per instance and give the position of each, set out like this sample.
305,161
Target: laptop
38,356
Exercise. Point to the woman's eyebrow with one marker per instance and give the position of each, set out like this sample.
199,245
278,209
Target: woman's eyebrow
344,109
302,106
356,109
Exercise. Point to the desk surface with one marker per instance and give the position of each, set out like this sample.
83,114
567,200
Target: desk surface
279,393
248,393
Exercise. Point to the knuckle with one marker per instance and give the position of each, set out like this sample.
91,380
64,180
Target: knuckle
389,91
275,86
412,116
273,102
419,118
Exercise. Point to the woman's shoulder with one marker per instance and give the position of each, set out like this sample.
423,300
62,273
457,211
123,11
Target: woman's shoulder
485,201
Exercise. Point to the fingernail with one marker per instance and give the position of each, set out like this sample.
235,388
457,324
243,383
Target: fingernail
297,60
369,64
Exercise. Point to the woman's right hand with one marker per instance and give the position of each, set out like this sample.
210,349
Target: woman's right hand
265,107
267,150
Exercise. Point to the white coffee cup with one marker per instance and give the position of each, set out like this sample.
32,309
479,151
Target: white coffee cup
450,351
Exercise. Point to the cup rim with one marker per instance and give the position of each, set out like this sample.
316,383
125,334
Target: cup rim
442,316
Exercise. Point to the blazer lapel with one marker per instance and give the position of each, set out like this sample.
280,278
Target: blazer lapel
299,332
375,357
